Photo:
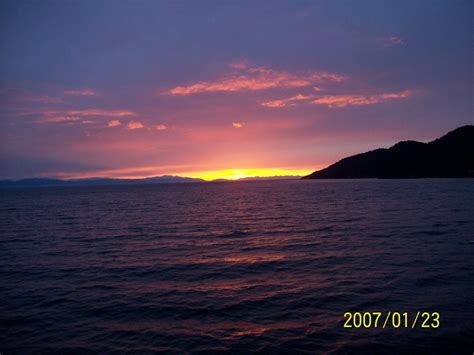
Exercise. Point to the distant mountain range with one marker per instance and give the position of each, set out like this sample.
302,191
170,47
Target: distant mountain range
449,156
165,179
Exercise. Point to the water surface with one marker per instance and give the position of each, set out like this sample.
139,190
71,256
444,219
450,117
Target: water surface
266,266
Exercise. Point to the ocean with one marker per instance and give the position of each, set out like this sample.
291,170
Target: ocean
255,266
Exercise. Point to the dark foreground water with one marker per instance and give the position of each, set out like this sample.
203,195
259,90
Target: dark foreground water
243,267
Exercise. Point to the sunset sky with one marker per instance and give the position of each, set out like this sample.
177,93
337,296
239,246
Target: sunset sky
228,89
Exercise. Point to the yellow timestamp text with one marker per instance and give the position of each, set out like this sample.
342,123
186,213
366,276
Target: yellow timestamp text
392,320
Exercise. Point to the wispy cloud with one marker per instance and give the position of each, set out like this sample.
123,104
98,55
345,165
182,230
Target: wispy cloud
237,124
134,125
89,112
114,123
252,79
359,100
89,116
98,112
56,119
81,92
79,116
333,101
291,101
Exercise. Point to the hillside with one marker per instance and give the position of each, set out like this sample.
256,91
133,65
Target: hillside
449,156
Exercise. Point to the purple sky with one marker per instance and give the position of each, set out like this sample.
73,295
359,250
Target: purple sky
141,88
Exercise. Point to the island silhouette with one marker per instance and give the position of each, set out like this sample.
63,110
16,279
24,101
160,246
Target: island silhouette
451,156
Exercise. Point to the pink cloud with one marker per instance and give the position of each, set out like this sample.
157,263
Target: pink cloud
286,102
114,123
134,125
237,124
56,119
90,112
83,92
338,100
75,115
253,79
359,100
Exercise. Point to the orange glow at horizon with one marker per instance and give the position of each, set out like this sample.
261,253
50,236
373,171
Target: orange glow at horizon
208,175
235,174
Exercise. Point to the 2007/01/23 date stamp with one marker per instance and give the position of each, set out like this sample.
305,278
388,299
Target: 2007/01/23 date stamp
392,320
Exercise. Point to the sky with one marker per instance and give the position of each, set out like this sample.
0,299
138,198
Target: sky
224,89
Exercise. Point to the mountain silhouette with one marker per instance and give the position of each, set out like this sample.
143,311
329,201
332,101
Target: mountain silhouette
449,156
165,179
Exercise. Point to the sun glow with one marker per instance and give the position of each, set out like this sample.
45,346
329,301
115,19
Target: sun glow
208,175
235,174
